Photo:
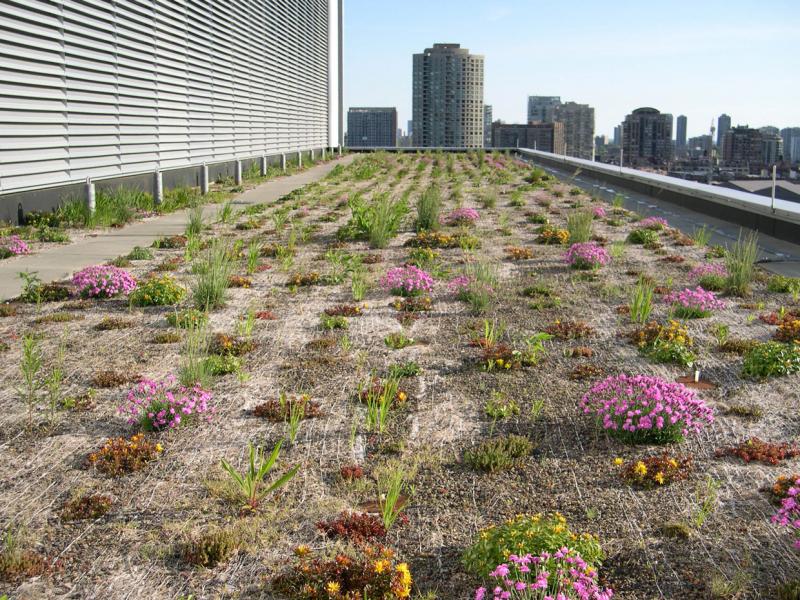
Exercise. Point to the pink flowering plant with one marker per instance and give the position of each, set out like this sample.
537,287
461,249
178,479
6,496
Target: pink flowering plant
459,285
652,223
599,212
693,303
407,281
162,405
587,255
788,514
710,276
461,216
561,575
645,409
103,281
13,246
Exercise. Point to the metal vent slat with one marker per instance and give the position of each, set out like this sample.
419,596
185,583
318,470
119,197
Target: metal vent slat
96,88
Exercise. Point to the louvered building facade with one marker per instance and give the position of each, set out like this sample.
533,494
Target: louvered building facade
103,89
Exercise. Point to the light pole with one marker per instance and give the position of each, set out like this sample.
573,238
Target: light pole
774,177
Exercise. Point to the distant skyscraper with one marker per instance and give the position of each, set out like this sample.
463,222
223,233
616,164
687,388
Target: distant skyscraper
541,108
372,127
743,147
699,147
547,137
617,135
769,130
680,134
448,97
410,127
723,125
487,125
791,144
771,148
647,137
578,120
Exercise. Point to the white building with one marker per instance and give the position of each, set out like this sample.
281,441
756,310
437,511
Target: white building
112,89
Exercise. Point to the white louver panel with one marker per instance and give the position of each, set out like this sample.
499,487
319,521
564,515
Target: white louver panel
92,88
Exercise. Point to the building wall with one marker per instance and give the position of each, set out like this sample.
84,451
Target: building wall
743,147
578,120
647,137
791,144
546,137
372,127
487,125
115,88
541,108
680,135
723,125
447,94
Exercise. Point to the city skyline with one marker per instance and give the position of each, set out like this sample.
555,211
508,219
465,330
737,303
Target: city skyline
677,65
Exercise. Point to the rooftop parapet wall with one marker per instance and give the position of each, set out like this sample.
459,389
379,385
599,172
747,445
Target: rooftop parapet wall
742,208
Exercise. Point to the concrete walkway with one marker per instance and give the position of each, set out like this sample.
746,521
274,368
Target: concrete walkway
57,262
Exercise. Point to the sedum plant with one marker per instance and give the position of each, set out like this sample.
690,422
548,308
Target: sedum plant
527,534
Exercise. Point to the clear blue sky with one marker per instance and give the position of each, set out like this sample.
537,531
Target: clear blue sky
699,58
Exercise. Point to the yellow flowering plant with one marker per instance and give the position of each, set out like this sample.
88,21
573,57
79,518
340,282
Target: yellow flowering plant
158,291
527,534
667,343
655,471
364,572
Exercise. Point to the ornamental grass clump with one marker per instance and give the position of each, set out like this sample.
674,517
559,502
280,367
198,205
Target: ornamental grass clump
213,273
407,281
429,204
464,217
103,281
646,409
561,575
13,246
788,514
579,226
161,405
740,261
527,534
693,303
587,255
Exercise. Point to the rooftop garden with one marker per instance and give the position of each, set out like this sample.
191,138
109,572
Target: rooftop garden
425,376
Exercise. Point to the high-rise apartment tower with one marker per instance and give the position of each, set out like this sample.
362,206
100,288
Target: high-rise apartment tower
448,97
